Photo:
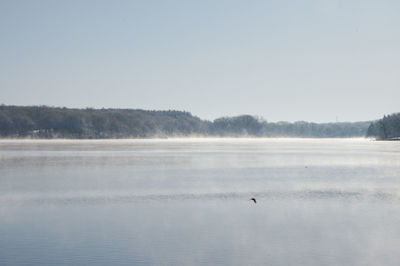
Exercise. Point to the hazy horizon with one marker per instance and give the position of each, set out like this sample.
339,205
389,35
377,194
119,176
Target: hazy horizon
254,115
315,61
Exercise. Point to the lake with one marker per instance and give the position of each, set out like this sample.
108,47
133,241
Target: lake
186,202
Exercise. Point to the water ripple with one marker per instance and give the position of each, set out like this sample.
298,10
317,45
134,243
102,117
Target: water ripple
110,198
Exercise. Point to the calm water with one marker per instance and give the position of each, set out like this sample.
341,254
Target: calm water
186,202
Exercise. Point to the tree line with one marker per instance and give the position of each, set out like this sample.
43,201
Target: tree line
387,128
89,123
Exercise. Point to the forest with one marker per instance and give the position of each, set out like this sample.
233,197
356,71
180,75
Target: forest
89,123
387,128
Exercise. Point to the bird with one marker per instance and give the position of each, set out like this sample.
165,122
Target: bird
253,199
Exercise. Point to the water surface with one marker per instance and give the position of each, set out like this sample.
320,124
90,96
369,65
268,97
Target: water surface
186,202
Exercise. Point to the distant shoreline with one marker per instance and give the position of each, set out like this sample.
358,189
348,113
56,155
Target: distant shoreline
42,122
194,139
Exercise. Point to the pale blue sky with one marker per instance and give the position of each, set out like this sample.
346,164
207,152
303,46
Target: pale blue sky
282,60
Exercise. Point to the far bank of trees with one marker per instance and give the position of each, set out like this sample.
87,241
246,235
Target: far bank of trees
252,126
54,122
387,128
49,122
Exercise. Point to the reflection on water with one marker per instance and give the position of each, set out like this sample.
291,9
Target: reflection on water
186,202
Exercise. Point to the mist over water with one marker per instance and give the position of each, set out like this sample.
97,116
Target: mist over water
186,202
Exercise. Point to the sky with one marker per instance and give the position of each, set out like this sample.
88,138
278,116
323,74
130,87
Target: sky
320,61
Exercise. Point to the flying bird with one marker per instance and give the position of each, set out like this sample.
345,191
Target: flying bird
253,199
